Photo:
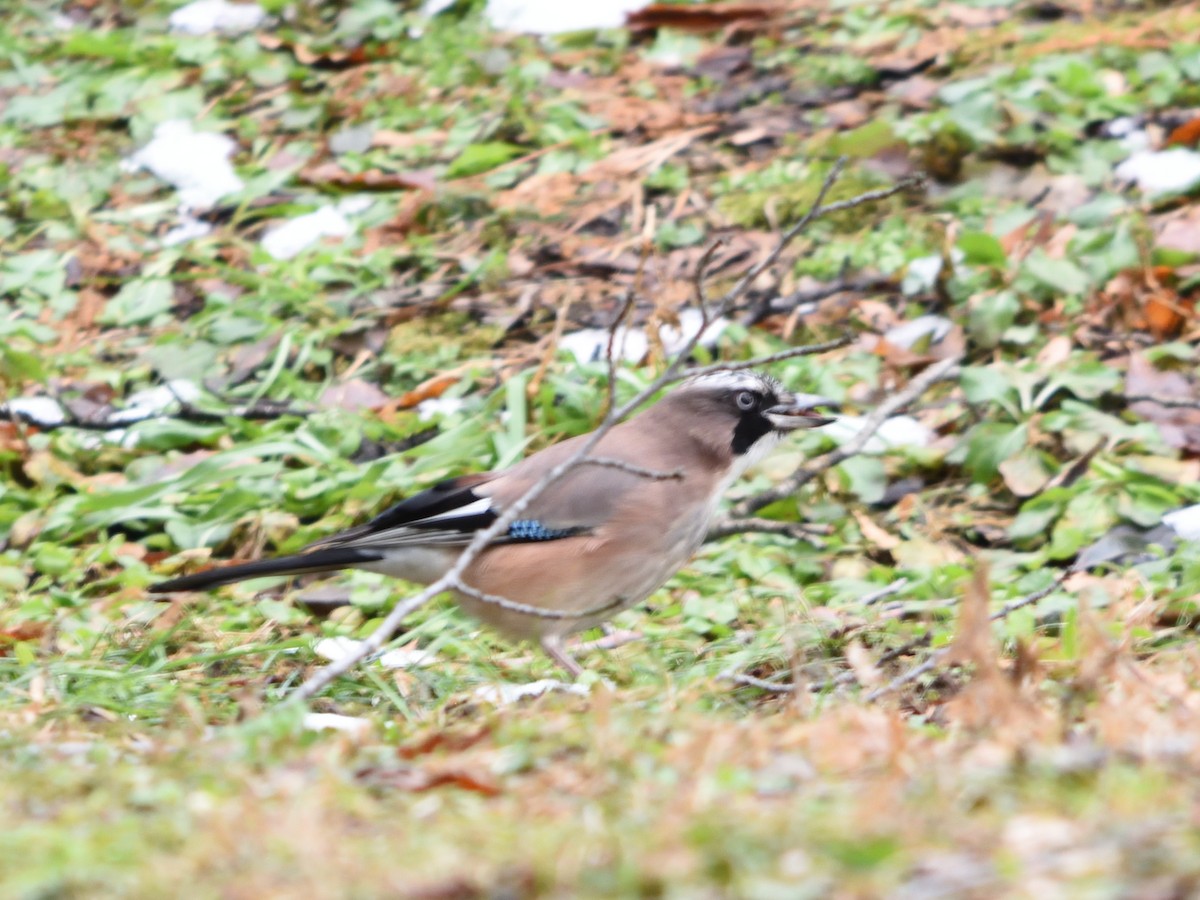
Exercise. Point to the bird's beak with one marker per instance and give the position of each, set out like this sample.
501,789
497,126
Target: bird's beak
796,411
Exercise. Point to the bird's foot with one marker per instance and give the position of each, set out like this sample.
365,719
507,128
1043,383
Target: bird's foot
553,647
556,649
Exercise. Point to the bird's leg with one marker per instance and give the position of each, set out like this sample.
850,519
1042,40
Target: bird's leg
613,638
552,644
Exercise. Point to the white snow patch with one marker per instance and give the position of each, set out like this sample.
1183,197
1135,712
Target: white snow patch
552,16
152,401
1122,127
898,431
690,323
438,406
921,274
207,16
292,237
188,229
338,648
508,694
591,344
195,162
335,648
631,344
408,659
1158,172
38,410
1185,522
906,334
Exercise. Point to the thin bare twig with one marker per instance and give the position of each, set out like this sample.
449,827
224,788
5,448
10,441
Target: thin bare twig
760,683
613,330
816,210
701,276
758,361
797,298
875,596
939,371
620,465
799,530
927,665
526,609
1176,402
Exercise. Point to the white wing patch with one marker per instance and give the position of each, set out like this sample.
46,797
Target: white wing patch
482,505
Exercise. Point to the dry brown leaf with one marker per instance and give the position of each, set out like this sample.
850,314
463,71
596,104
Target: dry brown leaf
427,390
722,62
332,57
860,662
1098,652
917,92
443,740
12,440
1057,351
1145,300
417,779
19,633
706,17
848,113
973,641
331,174
1024,475
877,535
1186,135
974,16
354,394
992,700
1178,426
953,344
405,140
1179,230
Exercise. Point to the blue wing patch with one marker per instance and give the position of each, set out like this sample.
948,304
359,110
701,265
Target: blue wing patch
533,530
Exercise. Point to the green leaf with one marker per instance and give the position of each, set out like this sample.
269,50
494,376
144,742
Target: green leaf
21,365
478,158
1087,380
991,316
984,384
988,445
195,360
1060,275
138,302
982,249
866,478
1035,518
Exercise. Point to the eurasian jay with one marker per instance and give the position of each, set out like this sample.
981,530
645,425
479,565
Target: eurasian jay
598,540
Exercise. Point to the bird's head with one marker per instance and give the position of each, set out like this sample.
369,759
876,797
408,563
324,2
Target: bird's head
746,411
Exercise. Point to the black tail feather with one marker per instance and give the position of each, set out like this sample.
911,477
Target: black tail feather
326,560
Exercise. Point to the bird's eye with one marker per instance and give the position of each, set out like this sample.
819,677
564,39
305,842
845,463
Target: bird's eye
747,400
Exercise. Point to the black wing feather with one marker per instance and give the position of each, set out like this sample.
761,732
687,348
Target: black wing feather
443,497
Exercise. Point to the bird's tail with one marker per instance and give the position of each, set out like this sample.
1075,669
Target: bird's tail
325,560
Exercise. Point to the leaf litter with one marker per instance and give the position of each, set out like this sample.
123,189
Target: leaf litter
499,247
